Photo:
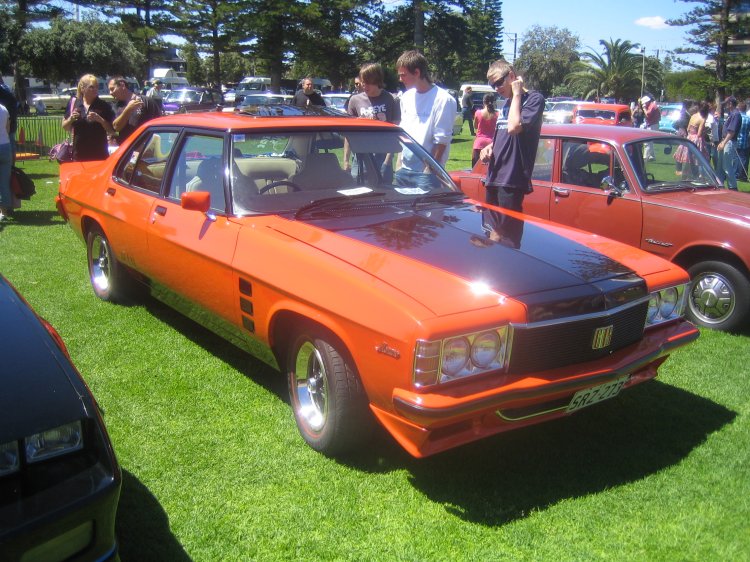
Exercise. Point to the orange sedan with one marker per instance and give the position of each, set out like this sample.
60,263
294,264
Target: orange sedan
603,114
376,288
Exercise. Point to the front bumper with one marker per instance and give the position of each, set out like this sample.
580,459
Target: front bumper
431,421
68,518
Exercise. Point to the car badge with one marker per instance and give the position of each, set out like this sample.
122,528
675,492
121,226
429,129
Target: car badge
386,349
602,337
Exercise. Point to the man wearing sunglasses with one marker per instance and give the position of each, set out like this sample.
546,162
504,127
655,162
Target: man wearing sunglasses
510,157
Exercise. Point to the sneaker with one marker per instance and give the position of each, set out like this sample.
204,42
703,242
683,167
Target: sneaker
2,215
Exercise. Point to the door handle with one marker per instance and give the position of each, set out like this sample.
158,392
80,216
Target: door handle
560,192
161,211
111,191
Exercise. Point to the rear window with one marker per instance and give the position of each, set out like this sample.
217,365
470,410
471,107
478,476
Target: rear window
596,114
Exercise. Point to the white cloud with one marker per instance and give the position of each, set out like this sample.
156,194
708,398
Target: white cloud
652,22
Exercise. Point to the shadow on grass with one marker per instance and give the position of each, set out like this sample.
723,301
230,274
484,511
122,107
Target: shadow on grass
261,373
36,218
499,480
142,521
506,477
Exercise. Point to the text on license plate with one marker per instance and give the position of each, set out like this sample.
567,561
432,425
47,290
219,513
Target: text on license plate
595,394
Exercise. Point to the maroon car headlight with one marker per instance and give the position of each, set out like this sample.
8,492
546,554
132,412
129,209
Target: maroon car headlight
454,358
54,442
666,305
10,460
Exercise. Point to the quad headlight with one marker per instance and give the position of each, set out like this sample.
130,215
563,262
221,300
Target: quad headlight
666,305
41,446
457,357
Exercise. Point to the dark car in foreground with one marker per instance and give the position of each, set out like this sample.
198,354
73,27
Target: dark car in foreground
602,179
59,479
187,100
380,292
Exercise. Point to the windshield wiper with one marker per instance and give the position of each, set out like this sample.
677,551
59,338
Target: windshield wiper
445,197
666,185
329,203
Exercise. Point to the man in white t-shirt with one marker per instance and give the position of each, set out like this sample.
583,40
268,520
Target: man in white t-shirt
427,111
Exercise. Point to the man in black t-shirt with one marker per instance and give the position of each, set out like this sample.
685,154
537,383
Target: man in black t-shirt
307,95
511,154
131,110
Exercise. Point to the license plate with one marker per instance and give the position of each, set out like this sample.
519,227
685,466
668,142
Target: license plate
590,396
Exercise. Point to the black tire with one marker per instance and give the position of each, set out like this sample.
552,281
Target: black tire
719,296
107,276
326,394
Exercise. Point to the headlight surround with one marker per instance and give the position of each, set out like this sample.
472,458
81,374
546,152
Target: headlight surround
54,442
10,460
462,356
666,305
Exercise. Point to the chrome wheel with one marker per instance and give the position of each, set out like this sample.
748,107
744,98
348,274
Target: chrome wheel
719,295
329,403
310,387
108,278
101,259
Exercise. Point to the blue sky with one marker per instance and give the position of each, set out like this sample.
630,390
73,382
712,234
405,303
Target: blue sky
639,21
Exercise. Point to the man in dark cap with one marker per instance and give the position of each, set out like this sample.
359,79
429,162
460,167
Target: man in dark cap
727,145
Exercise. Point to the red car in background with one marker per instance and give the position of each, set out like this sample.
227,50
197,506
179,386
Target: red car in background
603,114
596,178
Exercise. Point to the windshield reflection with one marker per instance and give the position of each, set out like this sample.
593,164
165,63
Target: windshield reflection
284,171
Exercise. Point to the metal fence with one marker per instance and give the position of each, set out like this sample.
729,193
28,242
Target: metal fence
36,135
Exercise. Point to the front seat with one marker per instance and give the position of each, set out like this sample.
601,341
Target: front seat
322,171
209,177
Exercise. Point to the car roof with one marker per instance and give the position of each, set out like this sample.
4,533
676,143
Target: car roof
611,106
605,133
296,117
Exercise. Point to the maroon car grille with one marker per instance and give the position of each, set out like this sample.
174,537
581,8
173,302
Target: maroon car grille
539,348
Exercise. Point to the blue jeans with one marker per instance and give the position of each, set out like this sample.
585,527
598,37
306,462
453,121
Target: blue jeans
742,162
730,162
716,158
417,180
6,160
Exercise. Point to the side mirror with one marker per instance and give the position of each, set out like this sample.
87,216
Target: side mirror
613,190
196,201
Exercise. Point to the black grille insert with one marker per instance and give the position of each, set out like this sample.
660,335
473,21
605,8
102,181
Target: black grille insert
539,348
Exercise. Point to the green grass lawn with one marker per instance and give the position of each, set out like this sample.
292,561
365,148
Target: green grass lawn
214,468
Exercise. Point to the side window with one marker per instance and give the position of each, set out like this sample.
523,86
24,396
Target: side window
545,157
587,163
146,161
199,166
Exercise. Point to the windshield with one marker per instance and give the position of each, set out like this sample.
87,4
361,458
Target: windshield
670,163
183,96
284,172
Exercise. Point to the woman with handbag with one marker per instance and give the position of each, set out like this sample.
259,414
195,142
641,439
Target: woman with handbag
89,120
6,162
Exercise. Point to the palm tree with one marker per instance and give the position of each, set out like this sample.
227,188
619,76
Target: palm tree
615,73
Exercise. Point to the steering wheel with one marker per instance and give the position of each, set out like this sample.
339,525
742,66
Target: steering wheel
270,186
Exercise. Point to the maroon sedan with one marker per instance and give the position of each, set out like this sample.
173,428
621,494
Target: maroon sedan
651,190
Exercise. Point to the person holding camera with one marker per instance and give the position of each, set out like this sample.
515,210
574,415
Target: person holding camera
89,119
131,110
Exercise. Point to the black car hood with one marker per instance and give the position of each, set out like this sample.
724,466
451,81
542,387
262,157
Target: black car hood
36,390
553,275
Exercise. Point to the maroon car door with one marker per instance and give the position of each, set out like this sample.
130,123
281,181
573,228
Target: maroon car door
580,200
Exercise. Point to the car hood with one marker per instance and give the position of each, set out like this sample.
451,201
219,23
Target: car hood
725,203
37,391
554,276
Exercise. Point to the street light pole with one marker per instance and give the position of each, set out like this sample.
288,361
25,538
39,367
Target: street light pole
515,44
643,68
